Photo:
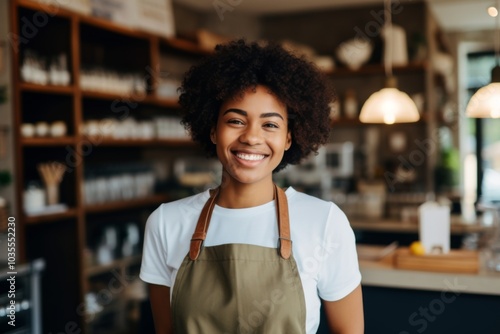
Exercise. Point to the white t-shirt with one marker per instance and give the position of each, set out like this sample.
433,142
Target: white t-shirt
323,243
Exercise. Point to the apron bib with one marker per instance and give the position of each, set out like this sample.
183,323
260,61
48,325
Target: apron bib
239,288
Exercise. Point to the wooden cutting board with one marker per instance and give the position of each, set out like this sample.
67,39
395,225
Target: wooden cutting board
456,261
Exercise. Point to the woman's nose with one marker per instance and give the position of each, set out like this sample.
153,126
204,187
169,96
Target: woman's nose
252,135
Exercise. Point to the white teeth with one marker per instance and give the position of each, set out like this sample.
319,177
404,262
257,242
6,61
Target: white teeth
250,156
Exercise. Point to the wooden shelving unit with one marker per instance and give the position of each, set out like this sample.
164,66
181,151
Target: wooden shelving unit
62,238
143,142
48,89
47,141
71,213
162,102
145,99
132,203
184,46
107,96
100,269
378,69
418,80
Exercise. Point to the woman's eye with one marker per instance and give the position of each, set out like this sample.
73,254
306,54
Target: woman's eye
235,121
271,125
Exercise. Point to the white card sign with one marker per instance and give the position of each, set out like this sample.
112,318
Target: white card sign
434,227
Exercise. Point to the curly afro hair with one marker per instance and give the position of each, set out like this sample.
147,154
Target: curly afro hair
238,66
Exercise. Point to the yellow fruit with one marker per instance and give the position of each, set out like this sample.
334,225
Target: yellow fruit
416,248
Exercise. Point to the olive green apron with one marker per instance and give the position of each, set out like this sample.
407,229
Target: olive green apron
239,288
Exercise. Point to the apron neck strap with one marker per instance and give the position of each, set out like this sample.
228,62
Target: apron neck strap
200,232
284,241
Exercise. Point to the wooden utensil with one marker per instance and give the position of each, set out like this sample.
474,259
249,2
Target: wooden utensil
52,174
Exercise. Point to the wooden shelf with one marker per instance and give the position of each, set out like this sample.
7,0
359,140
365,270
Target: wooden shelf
133,203
121,263
90,94
113,27
142,142
185,45
372,69
38,6
48,141
47,89
187,142
148,99
163,102
47,218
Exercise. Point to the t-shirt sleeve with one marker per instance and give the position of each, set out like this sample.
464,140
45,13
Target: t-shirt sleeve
154,267
339,273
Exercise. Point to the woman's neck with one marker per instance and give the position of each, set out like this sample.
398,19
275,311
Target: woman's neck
235,195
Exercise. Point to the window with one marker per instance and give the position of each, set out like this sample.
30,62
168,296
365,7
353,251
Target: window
483,135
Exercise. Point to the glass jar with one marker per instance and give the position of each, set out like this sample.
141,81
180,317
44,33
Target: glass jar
491,220
34,198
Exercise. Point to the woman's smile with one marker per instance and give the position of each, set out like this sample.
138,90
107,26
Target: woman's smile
250,157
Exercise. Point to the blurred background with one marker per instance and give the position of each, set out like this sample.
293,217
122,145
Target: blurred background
90,145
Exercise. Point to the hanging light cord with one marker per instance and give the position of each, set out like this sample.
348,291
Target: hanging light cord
388,39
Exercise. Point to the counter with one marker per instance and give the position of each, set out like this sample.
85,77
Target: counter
381,273
384,231
457,226
411,301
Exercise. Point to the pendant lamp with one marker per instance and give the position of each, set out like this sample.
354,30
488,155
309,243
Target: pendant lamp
389,105
485,103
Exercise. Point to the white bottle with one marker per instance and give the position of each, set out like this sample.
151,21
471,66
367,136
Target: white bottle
34,199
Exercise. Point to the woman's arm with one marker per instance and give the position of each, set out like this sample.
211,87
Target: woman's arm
160,305
345,316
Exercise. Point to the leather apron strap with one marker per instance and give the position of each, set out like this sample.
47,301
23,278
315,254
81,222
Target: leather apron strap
200,233
284,240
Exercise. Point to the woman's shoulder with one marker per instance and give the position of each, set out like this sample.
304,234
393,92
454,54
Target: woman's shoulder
305,200
180,208
193,202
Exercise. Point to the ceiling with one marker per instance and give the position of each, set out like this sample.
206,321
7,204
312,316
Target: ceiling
453,15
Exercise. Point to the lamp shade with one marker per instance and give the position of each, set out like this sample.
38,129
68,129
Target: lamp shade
389,105
486,102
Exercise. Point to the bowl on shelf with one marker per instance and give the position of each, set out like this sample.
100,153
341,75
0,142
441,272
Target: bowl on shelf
354,53
58,129
42,129
28,130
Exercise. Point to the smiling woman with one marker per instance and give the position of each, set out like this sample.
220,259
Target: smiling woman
239,67
258,109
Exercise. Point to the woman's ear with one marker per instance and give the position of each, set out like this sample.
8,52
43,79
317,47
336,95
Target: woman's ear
288,140
213,137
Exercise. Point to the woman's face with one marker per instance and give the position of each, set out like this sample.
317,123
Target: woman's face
251,136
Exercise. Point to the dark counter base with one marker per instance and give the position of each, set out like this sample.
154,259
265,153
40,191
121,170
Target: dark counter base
402,311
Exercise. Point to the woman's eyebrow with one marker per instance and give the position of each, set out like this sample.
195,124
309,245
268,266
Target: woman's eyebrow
244,113
271,114
238,111
235,110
